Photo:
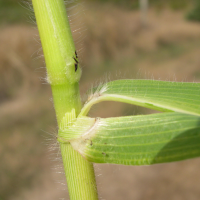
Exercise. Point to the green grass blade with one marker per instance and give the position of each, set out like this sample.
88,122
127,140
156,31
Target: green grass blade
139,140
158,95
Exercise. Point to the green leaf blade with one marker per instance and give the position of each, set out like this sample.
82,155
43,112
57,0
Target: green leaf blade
148,139
158,95
174,96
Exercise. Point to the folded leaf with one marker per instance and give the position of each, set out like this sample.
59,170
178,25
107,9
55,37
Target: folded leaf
138,140
158,95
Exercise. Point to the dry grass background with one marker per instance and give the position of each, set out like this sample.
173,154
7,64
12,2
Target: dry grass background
117,45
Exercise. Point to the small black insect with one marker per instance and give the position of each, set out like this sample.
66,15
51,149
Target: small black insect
76,61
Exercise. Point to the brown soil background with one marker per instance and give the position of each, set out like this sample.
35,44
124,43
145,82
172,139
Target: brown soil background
116,46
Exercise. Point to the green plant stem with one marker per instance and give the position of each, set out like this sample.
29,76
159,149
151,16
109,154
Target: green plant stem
59,53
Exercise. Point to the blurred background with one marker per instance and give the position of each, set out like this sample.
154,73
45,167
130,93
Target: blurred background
114,39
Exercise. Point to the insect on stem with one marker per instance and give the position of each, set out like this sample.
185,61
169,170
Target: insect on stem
76,61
